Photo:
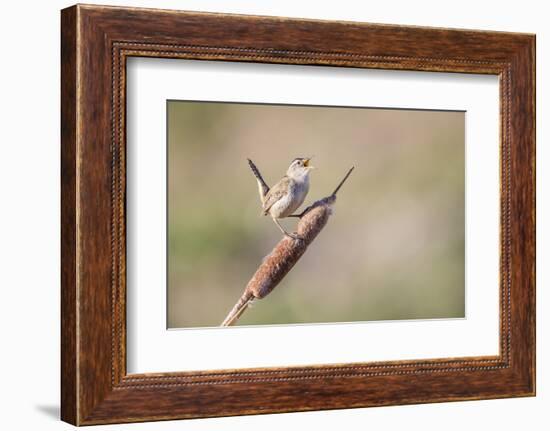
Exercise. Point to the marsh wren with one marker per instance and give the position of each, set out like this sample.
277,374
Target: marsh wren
288,194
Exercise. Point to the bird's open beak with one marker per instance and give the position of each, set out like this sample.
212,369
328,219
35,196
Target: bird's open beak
307,165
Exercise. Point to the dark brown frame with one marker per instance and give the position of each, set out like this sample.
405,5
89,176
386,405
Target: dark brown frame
95,43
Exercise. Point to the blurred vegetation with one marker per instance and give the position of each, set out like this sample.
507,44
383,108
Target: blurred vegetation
393,250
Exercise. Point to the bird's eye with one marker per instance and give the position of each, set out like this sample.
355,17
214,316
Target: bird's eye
299,163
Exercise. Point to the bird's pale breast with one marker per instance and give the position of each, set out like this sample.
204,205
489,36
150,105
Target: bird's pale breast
291,201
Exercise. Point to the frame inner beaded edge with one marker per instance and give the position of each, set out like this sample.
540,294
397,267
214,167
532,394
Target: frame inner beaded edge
119,378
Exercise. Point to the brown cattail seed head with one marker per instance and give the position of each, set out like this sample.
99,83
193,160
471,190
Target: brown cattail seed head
288,251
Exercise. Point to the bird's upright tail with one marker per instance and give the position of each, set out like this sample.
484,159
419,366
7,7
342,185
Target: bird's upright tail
263,188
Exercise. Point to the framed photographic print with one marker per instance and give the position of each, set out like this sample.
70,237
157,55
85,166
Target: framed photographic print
266,215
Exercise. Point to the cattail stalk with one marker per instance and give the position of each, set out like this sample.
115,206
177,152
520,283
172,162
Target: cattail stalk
285,254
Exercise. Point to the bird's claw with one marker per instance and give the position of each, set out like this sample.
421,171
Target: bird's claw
294,236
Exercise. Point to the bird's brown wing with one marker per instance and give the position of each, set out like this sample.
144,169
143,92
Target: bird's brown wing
275,193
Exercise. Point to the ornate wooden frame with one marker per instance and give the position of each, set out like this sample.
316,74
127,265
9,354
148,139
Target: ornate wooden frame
95,43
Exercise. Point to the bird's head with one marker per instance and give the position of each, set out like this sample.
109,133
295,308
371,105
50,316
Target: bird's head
299,168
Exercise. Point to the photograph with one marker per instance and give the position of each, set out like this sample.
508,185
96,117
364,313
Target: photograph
255,233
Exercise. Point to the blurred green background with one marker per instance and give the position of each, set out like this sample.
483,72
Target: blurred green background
394,248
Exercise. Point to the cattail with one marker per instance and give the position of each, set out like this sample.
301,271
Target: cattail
284,256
